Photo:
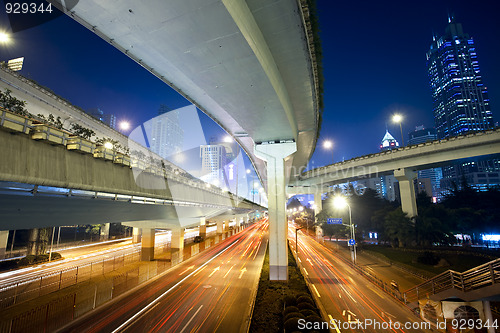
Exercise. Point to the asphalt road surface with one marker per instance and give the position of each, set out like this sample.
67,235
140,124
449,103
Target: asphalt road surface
211,292
351,302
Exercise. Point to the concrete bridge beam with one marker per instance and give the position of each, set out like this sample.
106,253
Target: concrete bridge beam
407,190
274,155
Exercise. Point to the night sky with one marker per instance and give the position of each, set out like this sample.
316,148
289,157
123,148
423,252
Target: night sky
373,59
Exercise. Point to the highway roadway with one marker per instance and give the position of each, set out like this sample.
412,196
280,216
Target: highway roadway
211,292
350,301
86,254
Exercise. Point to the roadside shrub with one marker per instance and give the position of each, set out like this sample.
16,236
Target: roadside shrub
56,256
292,325
297,315
306,299
316,319
290,309
290,301
308,312
28,260
428,258
305,306
42,258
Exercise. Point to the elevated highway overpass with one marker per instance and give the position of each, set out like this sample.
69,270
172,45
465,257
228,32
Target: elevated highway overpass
249,65
48,180
403,163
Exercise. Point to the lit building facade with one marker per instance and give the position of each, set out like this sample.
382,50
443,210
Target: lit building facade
213,162
167,135
108,119
460,103
386,186
460,99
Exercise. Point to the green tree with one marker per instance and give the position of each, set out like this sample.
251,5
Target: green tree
398,228
13,104
81,131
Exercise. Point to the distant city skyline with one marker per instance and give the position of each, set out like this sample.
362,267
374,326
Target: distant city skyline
373,59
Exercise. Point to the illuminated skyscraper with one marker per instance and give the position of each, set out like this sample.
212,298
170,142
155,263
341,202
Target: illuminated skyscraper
167,135
460,103
460,99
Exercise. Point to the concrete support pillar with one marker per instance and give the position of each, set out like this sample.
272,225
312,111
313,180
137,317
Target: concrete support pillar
105,231
203,228
407,191
4,238
488,316
136,235
220,227
274,155
148,244
203,231
177,245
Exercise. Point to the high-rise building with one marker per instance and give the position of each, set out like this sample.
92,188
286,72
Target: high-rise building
213,162
460,103
428,180
108,119
386,186
167,135
460,99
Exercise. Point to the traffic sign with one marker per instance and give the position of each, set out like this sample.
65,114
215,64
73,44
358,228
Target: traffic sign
352,242
334,221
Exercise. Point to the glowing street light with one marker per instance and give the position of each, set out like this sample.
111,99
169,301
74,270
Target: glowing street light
124,125
397,118
4,37
328,144
340,203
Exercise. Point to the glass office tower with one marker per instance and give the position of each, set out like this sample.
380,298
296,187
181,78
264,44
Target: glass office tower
460,99
460,103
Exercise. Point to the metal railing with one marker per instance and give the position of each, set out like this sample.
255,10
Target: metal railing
473,279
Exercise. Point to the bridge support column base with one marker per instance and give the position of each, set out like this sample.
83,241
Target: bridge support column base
407,191
203,231
4,238
105,232
278,273
148,245
136,235
488,316
274,155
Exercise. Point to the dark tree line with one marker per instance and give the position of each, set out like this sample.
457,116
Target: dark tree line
463,211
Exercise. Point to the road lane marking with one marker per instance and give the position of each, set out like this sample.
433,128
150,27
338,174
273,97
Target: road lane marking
316,290
332,321
228,271
200,270
147,307
242,271
188,269
215,270
189,322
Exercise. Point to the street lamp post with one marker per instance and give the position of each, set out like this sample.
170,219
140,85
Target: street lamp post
341,202
397,118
